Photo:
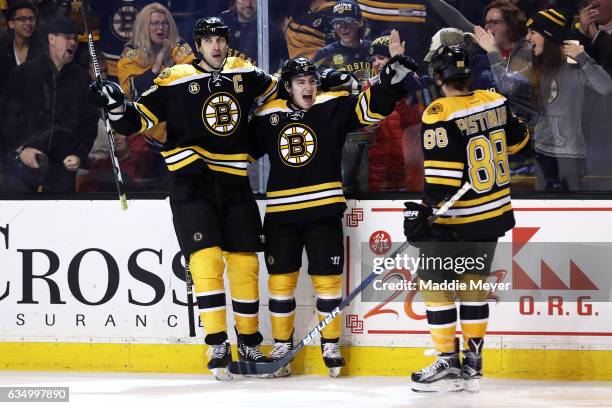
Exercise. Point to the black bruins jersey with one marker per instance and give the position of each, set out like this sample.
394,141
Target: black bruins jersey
357,61
206,115
305,149
468,138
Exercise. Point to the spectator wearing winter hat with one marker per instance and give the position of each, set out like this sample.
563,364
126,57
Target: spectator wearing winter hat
557,88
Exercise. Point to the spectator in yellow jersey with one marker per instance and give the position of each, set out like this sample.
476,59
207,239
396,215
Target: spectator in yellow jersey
155,45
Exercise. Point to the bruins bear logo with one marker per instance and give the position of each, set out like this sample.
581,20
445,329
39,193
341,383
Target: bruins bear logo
221,114
297,145
435,109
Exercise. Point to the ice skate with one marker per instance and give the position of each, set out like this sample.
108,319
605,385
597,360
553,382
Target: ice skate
332,357
280,350
220,355
251,353
444,375
471,368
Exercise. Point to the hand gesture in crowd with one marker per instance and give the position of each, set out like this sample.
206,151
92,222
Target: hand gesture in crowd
28,157
162,56
485,39
571,49
396,45
588,16
72,162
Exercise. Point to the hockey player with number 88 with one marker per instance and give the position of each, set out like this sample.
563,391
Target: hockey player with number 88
466,136
303,138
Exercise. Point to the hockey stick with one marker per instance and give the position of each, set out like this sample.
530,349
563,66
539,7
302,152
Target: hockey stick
109,131
190,314
250,368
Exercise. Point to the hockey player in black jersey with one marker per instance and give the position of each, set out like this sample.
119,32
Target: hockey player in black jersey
216,219
466,136
303,138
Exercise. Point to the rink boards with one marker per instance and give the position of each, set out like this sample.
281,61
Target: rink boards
87,286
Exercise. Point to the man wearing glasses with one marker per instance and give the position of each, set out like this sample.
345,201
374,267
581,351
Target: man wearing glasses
20,45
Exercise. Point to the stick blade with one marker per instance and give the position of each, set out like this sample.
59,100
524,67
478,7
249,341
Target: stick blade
249,368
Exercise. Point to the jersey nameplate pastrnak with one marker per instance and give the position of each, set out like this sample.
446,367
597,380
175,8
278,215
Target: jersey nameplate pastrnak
297,145
221,114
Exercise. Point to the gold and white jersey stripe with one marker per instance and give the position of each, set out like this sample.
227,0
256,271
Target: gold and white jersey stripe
482,208
444,173
304,197
396,12
365,115
235,164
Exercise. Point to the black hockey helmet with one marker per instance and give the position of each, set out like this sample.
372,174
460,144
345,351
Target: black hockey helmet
347,11
298,67
450,62
208,26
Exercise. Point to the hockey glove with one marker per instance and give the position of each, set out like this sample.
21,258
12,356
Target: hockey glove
108,95
332,80
416,225
396,69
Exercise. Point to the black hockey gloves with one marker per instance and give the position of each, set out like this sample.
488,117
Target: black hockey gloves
107,94
396,69
416,226
333,80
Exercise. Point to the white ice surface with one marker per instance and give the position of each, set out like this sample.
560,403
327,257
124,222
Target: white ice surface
119,390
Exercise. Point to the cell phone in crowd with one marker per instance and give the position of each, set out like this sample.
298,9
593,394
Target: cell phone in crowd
570,60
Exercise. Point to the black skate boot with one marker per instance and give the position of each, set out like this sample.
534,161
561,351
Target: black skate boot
280,350
248,349
332,357
471,369
220,356
443,375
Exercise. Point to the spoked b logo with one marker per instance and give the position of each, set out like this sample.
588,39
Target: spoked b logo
297,145
221,114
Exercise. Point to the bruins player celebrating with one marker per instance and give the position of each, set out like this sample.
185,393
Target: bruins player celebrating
303,138
216,219
466,136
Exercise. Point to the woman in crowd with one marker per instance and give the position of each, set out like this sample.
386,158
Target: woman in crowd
556,81
155,45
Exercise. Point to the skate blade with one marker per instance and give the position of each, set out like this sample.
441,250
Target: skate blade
222,374
454,385
334,372
472,385
283,371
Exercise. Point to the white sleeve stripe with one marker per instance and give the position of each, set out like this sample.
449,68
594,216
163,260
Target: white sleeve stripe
363,104
143,115
272,90
478,209
444,173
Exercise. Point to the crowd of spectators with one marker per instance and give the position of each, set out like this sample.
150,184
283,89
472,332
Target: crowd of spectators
52,139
